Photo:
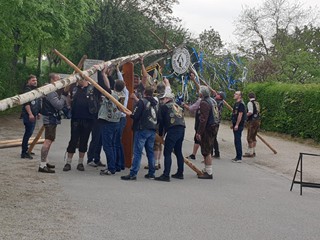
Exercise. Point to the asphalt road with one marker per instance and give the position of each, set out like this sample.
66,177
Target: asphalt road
244,201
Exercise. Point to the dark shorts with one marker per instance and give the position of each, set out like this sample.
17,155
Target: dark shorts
207,139
50,131
253,127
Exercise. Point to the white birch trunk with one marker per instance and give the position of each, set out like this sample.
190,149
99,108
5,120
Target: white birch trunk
44,90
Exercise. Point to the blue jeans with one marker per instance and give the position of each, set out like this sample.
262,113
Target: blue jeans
174,139
95,146
29,128
119,146
143,138
237,142
108,134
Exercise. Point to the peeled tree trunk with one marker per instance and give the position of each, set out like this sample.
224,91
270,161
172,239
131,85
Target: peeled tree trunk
43,91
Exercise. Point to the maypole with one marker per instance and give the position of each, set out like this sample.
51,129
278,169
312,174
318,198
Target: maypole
44,90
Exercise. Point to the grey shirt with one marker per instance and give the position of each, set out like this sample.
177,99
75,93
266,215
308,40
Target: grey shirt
58,103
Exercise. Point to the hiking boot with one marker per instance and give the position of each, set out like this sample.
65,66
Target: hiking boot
177,176
128,177
45,170
106,172
192,157
80,167
148,176
67,167
163,178
50,165
249,155
205,175
26,155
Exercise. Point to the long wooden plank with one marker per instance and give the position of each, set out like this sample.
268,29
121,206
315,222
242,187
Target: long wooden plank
19,143
127,139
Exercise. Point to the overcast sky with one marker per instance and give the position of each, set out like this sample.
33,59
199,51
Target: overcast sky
198,15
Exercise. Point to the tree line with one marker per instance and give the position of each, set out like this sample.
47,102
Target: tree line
279,39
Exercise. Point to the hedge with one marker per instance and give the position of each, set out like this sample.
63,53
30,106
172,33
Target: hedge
288,108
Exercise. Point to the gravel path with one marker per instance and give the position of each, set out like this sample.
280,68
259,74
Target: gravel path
244,201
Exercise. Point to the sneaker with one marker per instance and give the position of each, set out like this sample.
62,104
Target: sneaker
236,160
128,177
92,164
32,153
249,155
80,167
50,165
67,167
106,172
148,176
163,178
216,156
192,157
100,164
45,170
177,176
26,155
205,175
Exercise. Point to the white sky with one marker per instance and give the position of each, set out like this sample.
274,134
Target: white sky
198,15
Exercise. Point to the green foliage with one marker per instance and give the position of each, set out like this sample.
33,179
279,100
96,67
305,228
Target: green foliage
289,108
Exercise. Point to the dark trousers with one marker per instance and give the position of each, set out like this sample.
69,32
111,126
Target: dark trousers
173,141
108,134
28,130
95,145
237,142
80,132
216,144
119,145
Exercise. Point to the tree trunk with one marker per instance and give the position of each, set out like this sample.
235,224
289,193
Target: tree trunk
14,63
39,59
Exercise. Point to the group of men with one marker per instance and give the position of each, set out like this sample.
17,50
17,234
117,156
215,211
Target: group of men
155,115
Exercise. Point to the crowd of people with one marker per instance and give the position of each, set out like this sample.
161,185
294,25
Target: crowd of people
157,120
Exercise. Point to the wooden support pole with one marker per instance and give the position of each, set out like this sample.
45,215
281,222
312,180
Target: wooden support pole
80,65
35,141
13,141
193,167
96,85
18,143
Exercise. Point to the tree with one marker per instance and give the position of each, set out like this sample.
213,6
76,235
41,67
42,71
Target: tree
122,27
210,41
297,54
256,26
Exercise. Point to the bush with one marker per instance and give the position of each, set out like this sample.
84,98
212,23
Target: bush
289,108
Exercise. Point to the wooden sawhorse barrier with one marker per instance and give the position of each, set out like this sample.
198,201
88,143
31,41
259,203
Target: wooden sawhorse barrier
301,182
